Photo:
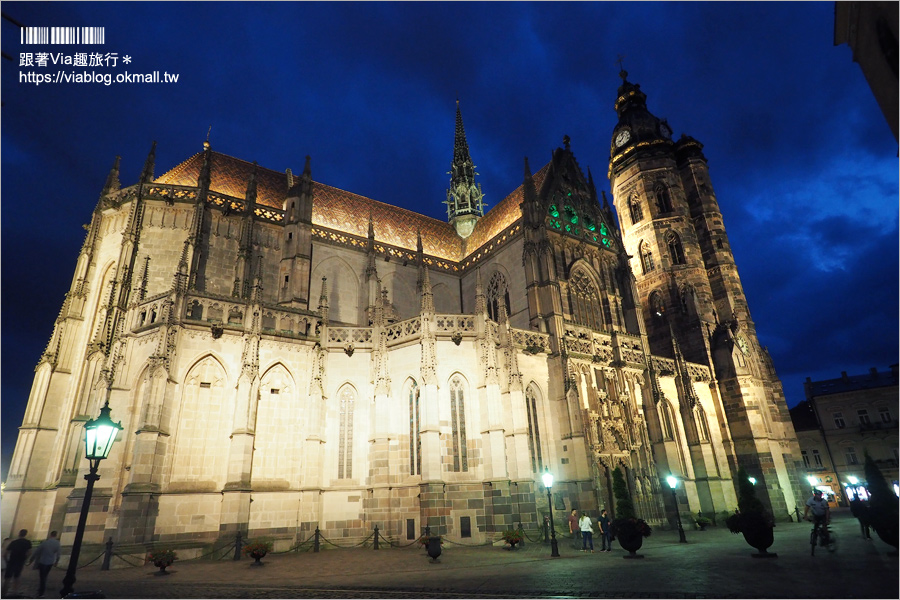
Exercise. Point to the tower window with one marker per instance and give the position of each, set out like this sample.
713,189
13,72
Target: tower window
676,252
415,442
458,425
534,432
345,439
663,199
863,416
497,292
635,206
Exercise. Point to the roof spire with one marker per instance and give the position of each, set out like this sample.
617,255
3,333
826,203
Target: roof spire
112,180
147,172
464,198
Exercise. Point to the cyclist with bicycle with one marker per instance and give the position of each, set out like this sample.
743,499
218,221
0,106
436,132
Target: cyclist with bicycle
821,516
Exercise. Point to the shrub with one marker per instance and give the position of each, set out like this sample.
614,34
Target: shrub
162,557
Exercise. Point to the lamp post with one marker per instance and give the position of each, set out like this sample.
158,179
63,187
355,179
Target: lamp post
99,435
548,483
673,482
752,480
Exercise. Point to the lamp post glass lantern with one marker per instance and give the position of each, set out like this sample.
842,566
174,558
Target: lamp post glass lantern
752,480
548,483
99,435
673,483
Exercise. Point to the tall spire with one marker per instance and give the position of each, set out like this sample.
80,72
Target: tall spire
464,198
147,172
112,180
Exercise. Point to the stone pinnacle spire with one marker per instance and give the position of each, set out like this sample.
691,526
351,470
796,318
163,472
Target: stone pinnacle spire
464,198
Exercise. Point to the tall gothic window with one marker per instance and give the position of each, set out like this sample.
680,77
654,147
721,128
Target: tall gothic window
584,300
458,424
665,420
702,427
646,258
415,441
534,432
497,292
657,306
663,199
634,204
347,398
676,252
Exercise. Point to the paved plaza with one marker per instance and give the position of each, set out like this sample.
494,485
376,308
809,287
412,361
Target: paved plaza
713,564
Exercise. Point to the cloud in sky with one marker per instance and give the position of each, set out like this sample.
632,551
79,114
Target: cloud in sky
803,163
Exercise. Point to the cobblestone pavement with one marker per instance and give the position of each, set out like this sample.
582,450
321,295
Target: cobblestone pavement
713,564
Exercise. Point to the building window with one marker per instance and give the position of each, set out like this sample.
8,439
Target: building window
345,439
646,258
458,424
676,251
534,431
863,416
885,413
805,456
635,205
415,441
584,300
497,292
839,420
702,429
817,458
663,199
851,456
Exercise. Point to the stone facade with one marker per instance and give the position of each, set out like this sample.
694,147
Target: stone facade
286,356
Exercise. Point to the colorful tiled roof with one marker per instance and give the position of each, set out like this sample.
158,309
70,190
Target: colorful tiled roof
349,213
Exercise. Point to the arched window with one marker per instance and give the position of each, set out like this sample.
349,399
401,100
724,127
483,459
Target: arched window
665,420
584,300
534,432
415,441
657,306
676,252
663,199
634,204
702,427
646,258
497,292
458,424
347,399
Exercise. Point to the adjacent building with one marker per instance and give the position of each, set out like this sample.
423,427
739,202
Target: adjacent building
285,355
840,422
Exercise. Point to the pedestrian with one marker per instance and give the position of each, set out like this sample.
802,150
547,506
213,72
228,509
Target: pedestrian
16,554
860,509
574,530
587,533
3,551
605,537
46,555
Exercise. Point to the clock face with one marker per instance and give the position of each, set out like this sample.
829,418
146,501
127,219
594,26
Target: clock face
742,344
623,138
665,130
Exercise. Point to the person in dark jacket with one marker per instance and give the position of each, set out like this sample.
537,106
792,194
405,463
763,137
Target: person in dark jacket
605,537
16,554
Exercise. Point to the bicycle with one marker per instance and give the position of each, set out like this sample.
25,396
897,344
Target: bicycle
826,538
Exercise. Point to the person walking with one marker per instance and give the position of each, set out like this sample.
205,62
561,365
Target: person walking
574,531
605,537
16,554
587,533
46,555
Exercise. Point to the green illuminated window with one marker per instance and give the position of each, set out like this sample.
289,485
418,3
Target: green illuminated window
571,215
603,229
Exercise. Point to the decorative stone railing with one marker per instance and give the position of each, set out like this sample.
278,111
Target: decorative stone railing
227,204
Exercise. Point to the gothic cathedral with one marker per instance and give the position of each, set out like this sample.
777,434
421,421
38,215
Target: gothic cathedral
285,355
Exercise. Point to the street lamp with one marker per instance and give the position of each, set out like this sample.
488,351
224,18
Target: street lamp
673,482
812,480
99,435
752,480
548,483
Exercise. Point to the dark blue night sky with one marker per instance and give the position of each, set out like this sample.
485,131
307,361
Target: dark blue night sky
803,162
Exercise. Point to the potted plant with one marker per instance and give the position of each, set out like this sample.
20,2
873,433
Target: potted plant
257,550
751,518
702,522
512,537
629,530
883,511
162,559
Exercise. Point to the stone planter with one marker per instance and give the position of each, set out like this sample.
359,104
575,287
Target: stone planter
433,546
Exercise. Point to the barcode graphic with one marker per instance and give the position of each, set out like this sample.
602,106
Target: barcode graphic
63,35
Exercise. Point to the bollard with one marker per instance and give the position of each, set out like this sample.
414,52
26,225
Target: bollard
521,535
316,541
428,531
376,538
546,529
107,556
237,546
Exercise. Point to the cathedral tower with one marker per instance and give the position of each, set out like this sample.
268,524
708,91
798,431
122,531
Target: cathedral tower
690,290
464,205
